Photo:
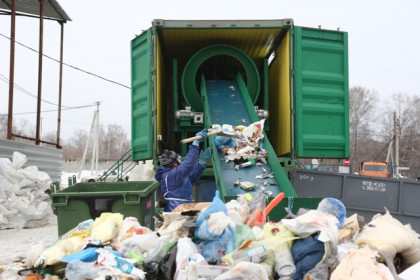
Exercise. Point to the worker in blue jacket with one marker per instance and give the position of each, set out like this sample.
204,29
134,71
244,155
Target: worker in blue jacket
177,178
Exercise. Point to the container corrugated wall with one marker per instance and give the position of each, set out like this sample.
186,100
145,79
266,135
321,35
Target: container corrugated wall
279,93
141,98
48,160
321,93
363,195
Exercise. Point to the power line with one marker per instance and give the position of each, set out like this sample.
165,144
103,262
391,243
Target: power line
386,145
48,111
71,66
6,80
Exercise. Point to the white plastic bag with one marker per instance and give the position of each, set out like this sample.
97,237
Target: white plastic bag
139,244
130,228
185,249
244,271
314,221
236,211
34,252
19,160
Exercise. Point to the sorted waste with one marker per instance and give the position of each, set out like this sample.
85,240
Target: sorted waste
246,150
232,240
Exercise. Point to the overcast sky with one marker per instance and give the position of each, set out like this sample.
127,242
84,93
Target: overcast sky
383,49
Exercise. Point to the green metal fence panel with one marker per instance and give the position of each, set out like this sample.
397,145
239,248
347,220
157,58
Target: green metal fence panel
141,93
321,95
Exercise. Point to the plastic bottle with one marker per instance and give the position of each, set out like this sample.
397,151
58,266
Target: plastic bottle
284,264
255,255
78,270
245,164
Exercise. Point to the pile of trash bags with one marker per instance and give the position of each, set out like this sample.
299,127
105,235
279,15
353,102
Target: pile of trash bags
24,202
233,240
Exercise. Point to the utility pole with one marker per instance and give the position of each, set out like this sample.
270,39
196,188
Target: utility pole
94,129
397,144
12,69
94,162
390,146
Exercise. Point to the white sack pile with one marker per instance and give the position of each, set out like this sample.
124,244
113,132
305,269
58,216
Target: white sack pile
23,201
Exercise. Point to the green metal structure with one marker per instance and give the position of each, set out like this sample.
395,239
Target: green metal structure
297,76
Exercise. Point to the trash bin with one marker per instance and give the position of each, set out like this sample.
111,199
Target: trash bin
84,201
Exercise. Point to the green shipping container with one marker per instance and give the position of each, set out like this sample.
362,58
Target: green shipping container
302,82
84,201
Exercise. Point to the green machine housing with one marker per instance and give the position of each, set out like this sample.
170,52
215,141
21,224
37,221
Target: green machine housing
294,77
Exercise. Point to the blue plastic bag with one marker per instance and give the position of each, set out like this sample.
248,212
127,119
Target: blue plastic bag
87,255
214,250
214,244
335,207
216,205
223,141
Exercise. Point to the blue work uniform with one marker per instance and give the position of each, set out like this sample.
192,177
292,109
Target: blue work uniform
176,183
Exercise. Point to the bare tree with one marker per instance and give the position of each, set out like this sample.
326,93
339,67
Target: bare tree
3,126
73,148
363,111
114,142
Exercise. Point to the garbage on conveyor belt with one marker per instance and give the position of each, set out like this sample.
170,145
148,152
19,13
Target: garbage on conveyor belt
24,202
245,147
233,240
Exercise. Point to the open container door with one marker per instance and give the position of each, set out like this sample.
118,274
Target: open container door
142,124
321,94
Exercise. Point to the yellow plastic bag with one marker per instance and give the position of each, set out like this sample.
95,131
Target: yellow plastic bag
107,226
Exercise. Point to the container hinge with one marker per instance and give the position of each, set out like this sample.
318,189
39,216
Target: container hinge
288,21
158,22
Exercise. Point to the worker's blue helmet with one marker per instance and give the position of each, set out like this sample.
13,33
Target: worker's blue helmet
169,158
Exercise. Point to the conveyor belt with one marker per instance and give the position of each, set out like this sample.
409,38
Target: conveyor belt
226,105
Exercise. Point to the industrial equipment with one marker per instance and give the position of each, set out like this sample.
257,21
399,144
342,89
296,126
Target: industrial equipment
190,74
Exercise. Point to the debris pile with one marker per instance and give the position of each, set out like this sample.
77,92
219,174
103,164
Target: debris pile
234,240
243,144
24,202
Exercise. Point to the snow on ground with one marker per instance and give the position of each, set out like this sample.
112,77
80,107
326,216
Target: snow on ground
14,243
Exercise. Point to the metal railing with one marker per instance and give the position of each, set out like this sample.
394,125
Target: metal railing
122,167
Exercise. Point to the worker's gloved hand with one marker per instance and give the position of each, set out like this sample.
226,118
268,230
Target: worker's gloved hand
205,156
203,135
